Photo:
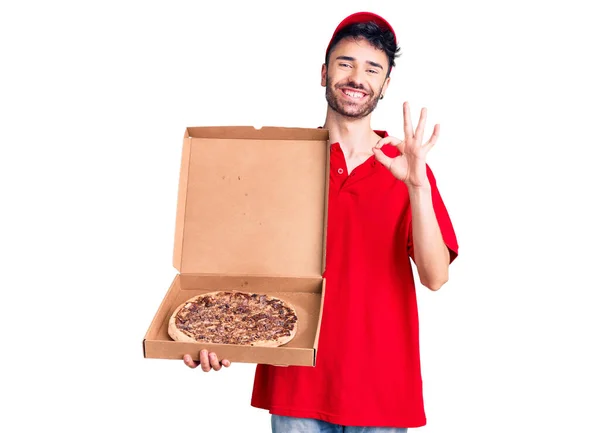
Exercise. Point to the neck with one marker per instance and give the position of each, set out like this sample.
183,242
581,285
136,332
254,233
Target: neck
355,136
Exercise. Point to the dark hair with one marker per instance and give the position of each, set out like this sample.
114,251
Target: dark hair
378,38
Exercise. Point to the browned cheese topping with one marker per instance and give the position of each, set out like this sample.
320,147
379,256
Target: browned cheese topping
235,318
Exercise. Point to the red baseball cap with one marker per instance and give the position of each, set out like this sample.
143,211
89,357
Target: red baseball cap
363,17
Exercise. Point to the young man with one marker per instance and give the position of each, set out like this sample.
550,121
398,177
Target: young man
384,210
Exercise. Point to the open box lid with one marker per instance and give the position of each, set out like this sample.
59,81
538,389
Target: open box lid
252,201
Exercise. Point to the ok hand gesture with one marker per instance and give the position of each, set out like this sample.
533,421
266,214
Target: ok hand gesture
409,166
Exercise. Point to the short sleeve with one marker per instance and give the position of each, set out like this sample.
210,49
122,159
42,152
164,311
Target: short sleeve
443,219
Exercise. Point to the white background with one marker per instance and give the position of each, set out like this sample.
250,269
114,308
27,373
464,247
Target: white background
94,99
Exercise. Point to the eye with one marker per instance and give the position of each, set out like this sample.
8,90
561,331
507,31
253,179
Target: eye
345,65
372,71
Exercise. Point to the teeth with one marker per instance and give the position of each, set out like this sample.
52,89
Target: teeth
354,94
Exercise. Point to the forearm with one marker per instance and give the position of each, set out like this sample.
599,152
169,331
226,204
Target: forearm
430,252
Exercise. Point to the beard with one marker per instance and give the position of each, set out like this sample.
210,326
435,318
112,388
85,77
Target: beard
347,108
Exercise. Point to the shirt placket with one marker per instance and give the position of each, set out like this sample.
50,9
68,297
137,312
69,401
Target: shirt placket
339,171
340,177
361,172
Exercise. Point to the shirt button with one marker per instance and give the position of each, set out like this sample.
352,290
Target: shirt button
340,171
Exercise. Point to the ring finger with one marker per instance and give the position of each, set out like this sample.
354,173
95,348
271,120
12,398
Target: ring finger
214,362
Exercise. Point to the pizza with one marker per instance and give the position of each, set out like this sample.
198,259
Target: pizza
234,317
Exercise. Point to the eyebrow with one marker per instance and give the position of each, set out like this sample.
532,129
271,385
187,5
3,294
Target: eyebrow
352,59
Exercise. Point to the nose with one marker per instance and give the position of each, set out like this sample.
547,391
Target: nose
357,75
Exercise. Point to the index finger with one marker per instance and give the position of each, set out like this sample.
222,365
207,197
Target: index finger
187,360
408,128
387,140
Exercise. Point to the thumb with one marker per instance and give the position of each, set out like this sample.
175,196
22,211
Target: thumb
382,157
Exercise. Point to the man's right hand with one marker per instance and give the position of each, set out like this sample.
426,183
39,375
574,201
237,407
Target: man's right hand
208,361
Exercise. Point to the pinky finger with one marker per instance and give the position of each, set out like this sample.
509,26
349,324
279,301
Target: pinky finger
434,137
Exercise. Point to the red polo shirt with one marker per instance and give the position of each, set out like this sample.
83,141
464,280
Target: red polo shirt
368,365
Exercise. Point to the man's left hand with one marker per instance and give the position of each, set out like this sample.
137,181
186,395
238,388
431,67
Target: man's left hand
409,166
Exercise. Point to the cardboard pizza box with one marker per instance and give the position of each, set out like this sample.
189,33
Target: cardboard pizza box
251,216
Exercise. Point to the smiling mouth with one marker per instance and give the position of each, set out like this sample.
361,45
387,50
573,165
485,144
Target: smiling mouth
354,94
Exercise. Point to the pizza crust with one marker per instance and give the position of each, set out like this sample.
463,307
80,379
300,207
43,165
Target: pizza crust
176,334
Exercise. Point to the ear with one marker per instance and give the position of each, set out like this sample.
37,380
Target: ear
324,75
386,83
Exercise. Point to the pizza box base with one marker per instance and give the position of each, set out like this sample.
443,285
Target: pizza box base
305,294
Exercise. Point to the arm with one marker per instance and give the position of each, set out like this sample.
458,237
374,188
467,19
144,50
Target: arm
431,254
